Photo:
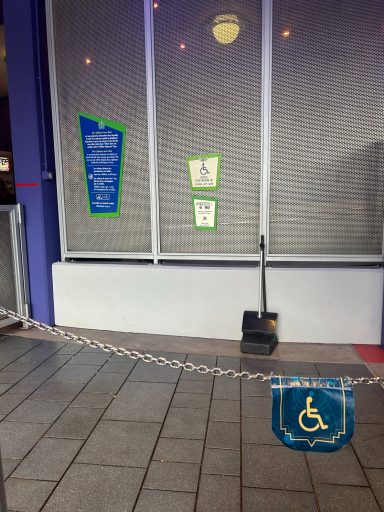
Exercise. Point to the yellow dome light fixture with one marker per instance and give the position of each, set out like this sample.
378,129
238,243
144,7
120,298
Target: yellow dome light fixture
226,28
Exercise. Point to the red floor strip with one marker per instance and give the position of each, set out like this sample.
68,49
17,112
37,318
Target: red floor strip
371,353
27,184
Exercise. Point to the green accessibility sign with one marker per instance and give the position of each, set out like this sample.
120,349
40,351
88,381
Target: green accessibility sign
102,145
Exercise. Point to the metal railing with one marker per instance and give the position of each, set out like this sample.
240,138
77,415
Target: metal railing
14,289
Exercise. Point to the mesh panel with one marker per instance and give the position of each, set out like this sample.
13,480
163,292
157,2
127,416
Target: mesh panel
113,86
208,101
327,127
8,297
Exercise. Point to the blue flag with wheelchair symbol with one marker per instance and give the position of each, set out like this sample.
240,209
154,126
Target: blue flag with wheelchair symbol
313,414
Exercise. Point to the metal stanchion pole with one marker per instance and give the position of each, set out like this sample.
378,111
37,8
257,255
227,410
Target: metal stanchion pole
3,501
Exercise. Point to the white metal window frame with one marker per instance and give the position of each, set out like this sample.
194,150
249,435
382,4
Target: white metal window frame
156,255
20,264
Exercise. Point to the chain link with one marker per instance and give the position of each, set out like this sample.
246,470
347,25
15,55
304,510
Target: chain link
161,361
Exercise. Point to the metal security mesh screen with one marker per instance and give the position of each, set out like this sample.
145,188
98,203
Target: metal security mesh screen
208,101
113,86
8,297
327,149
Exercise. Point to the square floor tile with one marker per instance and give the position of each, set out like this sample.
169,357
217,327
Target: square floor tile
226,389
92,358
262,366
51,344
258,431
92,400
369,402
221,462
275,467
191,400
89,488
43,371
57,391
16,439
165,501
75,423
48,460
223,435
9,357
149,372
9,402
185,386
225,410
254,388
299,369
57,360
185,423
172,476
376,481
27,385
37,411
179,450
228,363
197,360
74,373
16,366
38,354
93,350
141,401
218,494
368,444
27,495
105,383
9,465
256,407
124,368
341,467
70,349
10,377
337,498
4,388
273,500
120,443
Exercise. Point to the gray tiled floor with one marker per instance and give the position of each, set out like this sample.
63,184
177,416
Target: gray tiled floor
82,431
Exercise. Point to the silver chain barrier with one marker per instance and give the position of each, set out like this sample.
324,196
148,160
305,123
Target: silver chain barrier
161,361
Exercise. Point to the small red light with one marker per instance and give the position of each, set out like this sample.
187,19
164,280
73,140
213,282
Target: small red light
182,46
155,5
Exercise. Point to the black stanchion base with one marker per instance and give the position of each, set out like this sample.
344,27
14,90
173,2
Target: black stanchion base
262,344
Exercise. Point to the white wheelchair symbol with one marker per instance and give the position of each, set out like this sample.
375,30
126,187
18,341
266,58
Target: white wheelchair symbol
311,412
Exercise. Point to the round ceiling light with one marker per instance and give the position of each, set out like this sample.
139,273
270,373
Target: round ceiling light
226,28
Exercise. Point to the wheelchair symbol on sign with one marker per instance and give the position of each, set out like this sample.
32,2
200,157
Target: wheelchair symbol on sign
203,170
311,412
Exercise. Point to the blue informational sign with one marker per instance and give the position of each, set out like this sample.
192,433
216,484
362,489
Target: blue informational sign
102,143
313,414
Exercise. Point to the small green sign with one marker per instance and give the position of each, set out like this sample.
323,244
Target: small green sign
204,171
102,146
205,213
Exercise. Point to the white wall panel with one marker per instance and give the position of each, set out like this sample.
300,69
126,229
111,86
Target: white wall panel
314,305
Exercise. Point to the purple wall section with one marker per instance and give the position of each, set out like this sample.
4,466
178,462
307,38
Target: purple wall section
32,145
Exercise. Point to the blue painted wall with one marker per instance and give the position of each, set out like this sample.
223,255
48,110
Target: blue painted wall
32,145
